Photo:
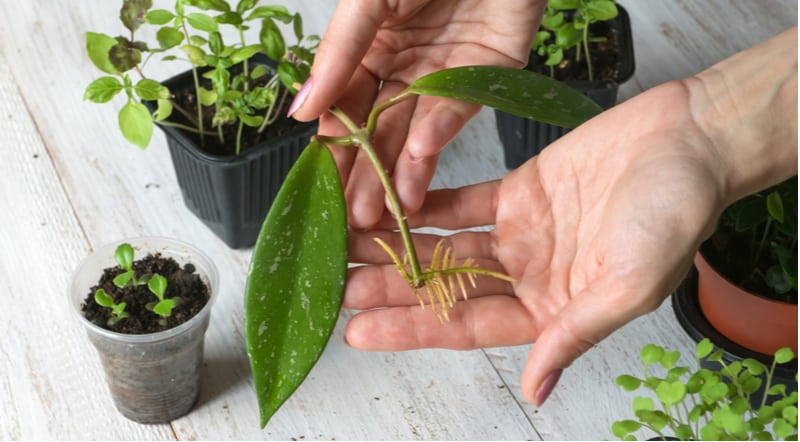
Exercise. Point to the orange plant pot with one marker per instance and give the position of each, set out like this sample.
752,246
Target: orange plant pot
752,321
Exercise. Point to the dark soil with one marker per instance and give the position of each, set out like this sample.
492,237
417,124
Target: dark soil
605,57
182,283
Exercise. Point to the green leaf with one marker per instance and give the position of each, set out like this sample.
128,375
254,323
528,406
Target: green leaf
244,5
164,307
148,89
783,428
136,124
750,212
102,90
169,37
628,382
259,71
671,393
123,254
624,427
713,392
684,432
297,27
516,91
599,10
651,354
669,359
251,120
540,39
552,22
289,75
98,47
124,55
245,53
123,279
202,22
164,110
784,355
213,5
103,299
775,206
215,43
277,11
555,55
132,13
206,97
753,366
119,310
195,54
563,4
643,403
568,36
158,17
157,285
704,348
272,39
296,281
230,18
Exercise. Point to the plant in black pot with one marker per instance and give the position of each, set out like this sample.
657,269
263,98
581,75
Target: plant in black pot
224,118
742,293
584,43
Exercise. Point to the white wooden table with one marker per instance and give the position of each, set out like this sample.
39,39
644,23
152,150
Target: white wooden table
69,183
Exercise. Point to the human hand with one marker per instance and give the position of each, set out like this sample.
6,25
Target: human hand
595,231
373,50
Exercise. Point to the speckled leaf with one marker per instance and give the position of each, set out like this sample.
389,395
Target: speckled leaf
516,91
297,275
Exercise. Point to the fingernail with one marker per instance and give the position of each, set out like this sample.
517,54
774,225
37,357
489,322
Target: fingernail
300,98
547,387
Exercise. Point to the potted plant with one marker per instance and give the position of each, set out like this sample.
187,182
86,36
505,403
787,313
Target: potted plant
585,43
299,263
712,400
742,291
147,319
225,118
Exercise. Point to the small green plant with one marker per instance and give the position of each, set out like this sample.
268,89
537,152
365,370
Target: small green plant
247,96
296,281
706,404
158,286
118,312
124,257
763,227
565,25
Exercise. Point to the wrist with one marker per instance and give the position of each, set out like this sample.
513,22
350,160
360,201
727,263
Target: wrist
746,108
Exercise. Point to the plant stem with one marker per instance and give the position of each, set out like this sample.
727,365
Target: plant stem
764,236
269,117
196,91
239,137
586,50
362,137
183,127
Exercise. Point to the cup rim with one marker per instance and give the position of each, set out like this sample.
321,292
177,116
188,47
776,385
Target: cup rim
210,276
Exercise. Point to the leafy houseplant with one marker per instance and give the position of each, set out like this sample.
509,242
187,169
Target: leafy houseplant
296,282
588,45
147,319
224,118
709,403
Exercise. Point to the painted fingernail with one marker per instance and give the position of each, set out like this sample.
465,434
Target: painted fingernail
547,387
300,98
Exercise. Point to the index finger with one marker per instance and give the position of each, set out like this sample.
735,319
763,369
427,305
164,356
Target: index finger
349,35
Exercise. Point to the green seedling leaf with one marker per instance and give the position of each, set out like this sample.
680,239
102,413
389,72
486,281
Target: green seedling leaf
277,11
516,91
564,4
169,37
103,299
163,111
628,382
102,90
136,124
97,47
599,10
158,17
272,39
671,393
704,348
669,359
123,279
123,254
651,354
784,355
230,18
124,55
119,310
158,285
213,5
245,53
148,89
164,307
625,427
775,206
296,281
202,22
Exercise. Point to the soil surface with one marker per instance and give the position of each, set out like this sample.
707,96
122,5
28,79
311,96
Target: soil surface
605,57
182,283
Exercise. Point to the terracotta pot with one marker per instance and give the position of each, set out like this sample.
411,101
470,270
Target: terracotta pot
748,319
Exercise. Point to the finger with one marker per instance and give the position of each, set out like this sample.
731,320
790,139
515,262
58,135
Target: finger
468,244
350,33
436,122
489,321
586,320
383,286
364,192
462,208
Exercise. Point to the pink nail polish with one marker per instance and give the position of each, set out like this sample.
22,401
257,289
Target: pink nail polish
300,98
547,387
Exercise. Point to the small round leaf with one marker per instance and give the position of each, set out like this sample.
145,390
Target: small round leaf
136,124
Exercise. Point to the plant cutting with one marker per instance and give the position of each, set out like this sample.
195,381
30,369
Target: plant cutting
585,43
708,403
225,116
147,319
296,281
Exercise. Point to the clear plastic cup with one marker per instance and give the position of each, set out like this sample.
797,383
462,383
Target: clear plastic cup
153,378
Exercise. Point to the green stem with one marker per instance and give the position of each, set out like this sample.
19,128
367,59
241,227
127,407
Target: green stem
196,92
336,141
362,138
268,115
764,236
183,127
239,137
586,50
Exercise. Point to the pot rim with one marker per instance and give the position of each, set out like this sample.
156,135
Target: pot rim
168,247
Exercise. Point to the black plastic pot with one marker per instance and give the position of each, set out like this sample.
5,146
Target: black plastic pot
687,310
523,138
232,194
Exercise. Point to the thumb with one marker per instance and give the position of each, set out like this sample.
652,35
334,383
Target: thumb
587,319
347,38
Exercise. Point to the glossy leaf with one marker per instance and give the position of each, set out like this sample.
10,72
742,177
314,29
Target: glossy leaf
516,91
296,282
103,299
158,285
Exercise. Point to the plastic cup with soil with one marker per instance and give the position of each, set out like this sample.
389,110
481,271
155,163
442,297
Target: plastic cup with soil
152,363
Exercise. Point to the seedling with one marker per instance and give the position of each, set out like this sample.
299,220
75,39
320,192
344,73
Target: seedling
158,286
709,404
124,257
118,312
296,282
